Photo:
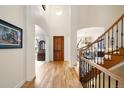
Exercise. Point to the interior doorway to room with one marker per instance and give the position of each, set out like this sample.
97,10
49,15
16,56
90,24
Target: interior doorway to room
40,44
58,48
41,50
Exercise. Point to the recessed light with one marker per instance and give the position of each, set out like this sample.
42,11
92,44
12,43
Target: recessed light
59,13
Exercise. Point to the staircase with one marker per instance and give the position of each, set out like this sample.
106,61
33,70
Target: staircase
115,59
105,52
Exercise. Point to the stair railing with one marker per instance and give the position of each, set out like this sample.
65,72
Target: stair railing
95,76
103,47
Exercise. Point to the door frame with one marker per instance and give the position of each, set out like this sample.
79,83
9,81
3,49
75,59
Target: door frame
53,48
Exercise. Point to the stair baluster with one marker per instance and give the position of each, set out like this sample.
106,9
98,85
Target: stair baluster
99,79
104,47
112,41
95,78
88,75
122,33
94,53
108,45
116,84
103,80
97,52
117,39
109,82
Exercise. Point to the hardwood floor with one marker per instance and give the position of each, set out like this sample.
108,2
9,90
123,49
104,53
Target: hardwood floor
54,75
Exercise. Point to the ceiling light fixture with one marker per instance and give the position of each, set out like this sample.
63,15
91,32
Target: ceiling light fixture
59,13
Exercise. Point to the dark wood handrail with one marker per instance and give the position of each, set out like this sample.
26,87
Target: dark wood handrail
109,29
106,71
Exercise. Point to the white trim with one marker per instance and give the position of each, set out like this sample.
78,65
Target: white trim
20,84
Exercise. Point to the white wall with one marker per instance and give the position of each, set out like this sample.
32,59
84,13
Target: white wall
40,18
73,38
12,61
98,16
39,33
30,43
18,65
47,59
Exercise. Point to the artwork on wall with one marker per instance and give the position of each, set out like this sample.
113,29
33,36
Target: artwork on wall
10,35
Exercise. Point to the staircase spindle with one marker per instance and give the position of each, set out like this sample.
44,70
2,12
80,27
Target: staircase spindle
122,33
90,76
101,50
86,73
112,41
103,80
117,38
95,77
104,45
86,53
92,53
99,79
85,68
109,82
108,44
97,53
116,84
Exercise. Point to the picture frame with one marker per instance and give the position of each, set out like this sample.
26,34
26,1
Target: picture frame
10,35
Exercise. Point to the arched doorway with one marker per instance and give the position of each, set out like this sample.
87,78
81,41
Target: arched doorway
86,36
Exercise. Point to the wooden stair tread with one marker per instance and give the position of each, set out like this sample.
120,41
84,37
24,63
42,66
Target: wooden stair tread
115,59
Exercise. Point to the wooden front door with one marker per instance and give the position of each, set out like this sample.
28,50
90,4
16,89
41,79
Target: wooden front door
58,48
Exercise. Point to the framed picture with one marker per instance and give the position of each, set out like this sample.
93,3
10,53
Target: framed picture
10,35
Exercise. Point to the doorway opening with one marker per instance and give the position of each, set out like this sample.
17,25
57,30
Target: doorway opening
41,51
40,44
88,35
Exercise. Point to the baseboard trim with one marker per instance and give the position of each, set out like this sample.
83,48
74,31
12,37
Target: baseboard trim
20,84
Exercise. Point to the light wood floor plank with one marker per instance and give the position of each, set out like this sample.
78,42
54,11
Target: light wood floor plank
54,75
